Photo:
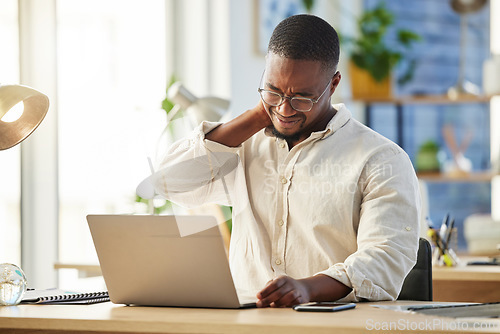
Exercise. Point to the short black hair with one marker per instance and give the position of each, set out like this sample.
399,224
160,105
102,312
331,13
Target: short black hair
306,37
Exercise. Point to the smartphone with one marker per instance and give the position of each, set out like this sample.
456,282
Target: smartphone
324,307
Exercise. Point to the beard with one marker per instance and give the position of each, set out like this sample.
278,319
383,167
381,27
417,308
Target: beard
293,137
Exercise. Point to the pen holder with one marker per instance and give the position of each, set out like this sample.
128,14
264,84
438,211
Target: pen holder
443,253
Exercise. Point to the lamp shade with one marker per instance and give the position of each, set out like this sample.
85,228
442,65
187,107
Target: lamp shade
198,109
36,106
467,6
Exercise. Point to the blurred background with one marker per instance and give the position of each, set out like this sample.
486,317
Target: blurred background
106,66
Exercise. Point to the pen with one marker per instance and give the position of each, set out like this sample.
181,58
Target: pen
434,237
444,226
449,231
428,221
449,251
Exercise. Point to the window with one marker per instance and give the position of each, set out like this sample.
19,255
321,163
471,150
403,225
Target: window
10,185
111,81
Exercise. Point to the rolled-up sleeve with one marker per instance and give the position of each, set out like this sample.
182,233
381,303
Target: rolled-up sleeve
196,171
387,240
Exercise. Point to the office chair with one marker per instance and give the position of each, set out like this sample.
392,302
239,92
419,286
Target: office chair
418,284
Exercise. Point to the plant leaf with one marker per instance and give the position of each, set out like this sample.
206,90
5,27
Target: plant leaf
166,104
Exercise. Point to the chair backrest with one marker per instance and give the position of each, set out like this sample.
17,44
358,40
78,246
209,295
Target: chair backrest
418,284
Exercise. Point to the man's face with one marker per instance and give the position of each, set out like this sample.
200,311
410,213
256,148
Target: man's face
300,78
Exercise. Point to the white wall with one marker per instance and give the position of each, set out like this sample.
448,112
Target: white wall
198,45
247,64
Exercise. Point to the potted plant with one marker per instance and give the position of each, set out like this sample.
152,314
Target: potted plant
371,59
427,157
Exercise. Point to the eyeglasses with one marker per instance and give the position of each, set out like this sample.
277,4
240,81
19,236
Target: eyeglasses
302,104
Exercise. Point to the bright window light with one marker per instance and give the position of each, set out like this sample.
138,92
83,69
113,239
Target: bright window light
112,79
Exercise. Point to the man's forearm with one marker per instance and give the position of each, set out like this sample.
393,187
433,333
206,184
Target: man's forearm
236,131
323,288
287,291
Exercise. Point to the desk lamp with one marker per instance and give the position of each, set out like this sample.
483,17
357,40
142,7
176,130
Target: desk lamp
35,107
209,108
464,7
14,128
198,109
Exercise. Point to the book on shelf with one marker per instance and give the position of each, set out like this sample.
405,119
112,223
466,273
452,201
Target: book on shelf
57,296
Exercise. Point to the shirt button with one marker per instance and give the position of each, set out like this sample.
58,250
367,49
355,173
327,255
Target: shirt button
278,262
281,222
284,180
282,145
408,228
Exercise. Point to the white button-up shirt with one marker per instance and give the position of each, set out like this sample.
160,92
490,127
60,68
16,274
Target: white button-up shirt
344,203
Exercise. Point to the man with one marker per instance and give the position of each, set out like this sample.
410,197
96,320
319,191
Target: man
323,207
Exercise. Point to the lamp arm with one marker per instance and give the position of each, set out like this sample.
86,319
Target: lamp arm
172,113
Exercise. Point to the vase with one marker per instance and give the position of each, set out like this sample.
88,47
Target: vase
364,86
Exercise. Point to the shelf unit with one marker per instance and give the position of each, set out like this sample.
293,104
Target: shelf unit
485,176
401,101
428,178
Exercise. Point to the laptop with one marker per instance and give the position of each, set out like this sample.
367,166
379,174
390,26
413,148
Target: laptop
164,261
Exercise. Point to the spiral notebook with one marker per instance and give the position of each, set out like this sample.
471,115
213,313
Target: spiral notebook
56,296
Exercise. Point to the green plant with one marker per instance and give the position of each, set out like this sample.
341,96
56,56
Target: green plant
369,50
429,146
426,159
166,104
165,205
308,5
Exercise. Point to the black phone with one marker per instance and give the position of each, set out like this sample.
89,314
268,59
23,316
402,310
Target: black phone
324,307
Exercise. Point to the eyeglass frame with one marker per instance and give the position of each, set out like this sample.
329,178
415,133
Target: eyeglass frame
290,98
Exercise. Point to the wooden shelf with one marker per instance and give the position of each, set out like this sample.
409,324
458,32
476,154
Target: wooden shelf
486,176
428,99
400,101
